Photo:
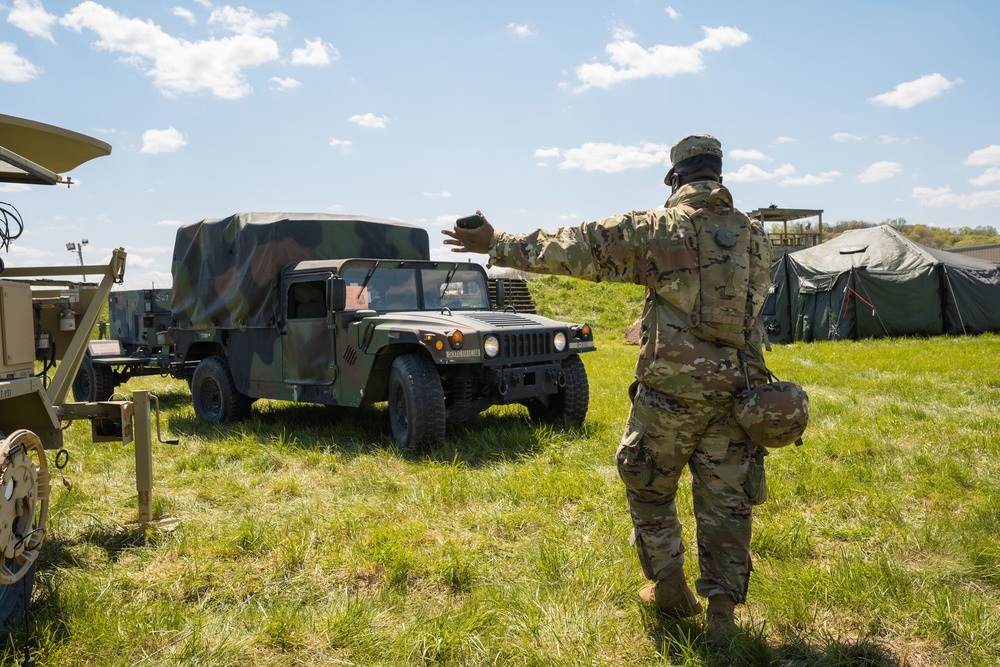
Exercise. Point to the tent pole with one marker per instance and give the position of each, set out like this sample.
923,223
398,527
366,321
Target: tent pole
947,280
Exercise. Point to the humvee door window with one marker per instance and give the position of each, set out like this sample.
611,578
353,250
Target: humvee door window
307,300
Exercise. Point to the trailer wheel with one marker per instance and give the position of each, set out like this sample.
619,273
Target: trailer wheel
93,382
24,504
13,599
572,400
416,402
214,394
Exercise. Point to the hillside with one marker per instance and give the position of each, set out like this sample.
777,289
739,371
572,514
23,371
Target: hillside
608,307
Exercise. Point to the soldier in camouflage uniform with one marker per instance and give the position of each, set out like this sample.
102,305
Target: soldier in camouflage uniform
706,269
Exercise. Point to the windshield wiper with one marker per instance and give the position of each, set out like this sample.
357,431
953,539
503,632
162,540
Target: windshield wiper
368,276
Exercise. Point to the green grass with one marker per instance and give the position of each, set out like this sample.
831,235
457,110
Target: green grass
305,537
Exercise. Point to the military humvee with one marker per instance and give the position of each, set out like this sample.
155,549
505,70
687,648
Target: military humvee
342,310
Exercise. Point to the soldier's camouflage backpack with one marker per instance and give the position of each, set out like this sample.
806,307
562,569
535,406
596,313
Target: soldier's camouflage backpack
726,311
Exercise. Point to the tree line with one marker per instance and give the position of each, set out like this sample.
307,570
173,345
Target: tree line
932,237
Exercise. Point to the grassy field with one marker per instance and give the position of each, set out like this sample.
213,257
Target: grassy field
304,537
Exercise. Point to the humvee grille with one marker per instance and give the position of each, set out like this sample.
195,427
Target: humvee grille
525,345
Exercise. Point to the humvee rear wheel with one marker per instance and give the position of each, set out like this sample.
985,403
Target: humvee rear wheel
416,402
214,394
24,506
93,382
572,400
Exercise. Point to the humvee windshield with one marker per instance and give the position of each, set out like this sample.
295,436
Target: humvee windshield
409,288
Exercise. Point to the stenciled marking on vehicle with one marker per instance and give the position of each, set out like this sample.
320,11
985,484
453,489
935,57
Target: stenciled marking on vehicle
451,354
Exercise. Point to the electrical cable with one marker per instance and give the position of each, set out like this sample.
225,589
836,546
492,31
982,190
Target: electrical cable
9,217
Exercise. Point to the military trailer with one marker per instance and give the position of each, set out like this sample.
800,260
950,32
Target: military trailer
46,319
134,341
344,310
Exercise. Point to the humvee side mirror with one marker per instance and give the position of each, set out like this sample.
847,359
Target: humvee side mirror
336,293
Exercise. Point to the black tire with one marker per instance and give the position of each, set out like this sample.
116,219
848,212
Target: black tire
13,599
416,402
214,394
93,382
572,400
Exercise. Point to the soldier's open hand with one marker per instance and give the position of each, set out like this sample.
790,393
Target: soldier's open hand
470,240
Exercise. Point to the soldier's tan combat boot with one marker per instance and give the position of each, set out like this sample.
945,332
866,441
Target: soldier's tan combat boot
672,596
721,620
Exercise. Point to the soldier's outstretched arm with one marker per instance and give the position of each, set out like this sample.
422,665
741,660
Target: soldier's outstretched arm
470,240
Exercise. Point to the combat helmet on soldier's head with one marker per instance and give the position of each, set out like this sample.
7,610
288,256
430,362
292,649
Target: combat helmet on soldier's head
775,414
690,146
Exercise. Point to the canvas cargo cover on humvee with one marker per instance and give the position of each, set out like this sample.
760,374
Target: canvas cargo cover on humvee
225,269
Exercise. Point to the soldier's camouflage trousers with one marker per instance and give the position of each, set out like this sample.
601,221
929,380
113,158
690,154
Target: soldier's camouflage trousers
665,434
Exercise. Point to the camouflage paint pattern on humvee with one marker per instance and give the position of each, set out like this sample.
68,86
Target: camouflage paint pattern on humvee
225,270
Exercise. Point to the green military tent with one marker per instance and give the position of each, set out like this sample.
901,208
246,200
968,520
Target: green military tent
872,283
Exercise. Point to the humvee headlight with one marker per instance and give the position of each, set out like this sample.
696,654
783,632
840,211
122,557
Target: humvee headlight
559,341
455,339
491,346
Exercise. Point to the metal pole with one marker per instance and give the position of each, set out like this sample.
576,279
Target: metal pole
143,454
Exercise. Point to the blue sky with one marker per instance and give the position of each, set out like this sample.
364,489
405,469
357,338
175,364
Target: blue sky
540,113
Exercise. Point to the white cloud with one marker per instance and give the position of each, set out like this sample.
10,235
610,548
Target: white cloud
546,153
176,66
984,157
614,158
285,83
185,14
17,187
911,93
369,120
988,177
750,173
879,171
167,222
14,68
812,179
630,61
722,37
784,140
162,141
887,139
744,154
672,13
343,144
316,53
243,21
31,17
445,220
438,195
621,34
841,137
567,217
520,30
945,197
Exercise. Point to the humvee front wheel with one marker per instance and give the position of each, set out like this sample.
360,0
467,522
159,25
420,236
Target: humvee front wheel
214,394
572,400
416,402
93,382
